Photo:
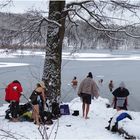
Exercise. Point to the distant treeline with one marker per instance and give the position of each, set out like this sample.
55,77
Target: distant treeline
79,36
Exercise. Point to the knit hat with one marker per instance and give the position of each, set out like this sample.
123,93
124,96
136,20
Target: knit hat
90,75
122,85
16,81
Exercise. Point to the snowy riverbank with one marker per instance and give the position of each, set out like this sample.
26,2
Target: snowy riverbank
72,127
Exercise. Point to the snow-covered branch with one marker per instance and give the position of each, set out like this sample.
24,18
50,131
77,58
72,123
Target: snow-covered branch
96,12
4,3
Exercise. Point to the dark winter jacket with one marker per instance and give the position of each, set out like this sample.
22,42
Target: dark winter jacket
120,98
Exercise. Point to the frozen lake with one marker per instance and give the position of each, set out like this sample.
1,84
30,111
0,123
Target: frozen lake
117,66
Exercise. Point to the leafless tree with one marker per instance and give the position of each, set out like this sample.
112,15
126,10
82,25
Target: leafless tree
96,14
4,3
101,15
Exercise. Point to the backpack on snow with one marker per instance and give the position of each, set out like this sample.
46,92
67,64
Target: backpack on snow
64,109
56,110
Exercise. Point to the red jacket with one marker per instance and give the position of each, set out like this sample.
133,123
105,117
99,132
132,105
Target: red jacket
13,92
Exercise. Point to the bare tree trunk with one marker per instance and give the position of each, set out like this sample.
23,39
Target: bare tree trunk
53,57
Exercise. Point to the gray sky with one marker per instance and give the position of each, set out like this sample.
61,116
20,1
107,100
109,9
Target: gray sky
21,6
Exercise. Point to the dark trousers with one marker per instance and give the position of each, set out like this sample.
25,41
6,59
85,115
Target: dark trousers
14,108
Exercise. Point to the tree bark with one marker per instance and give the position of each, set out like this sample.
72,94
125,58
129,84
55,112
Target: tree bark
53,57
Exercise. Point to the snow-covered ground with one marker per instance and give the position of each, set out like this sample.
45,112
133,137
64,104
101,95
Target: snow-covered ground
72,127
76,127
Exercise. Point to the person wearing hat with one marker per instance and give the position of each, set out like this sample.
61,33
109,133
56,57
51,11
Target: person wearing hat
13,93
37,95
120,97
87,89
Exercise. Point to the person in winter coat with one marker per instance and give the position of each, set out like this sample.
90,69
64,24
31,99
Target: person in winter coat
120,97
87,89
36,97
13,93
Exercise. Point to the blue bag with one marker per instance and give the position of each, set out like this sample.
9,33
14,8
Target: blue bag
64,109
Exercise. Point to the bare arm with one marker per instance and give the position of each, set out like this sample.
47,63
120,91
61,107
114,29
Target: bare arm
80,88
95,90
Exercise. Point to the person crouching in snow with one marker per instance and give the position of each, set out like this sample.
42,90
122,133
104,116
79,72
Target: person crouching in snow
87,89
13,93
120,115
